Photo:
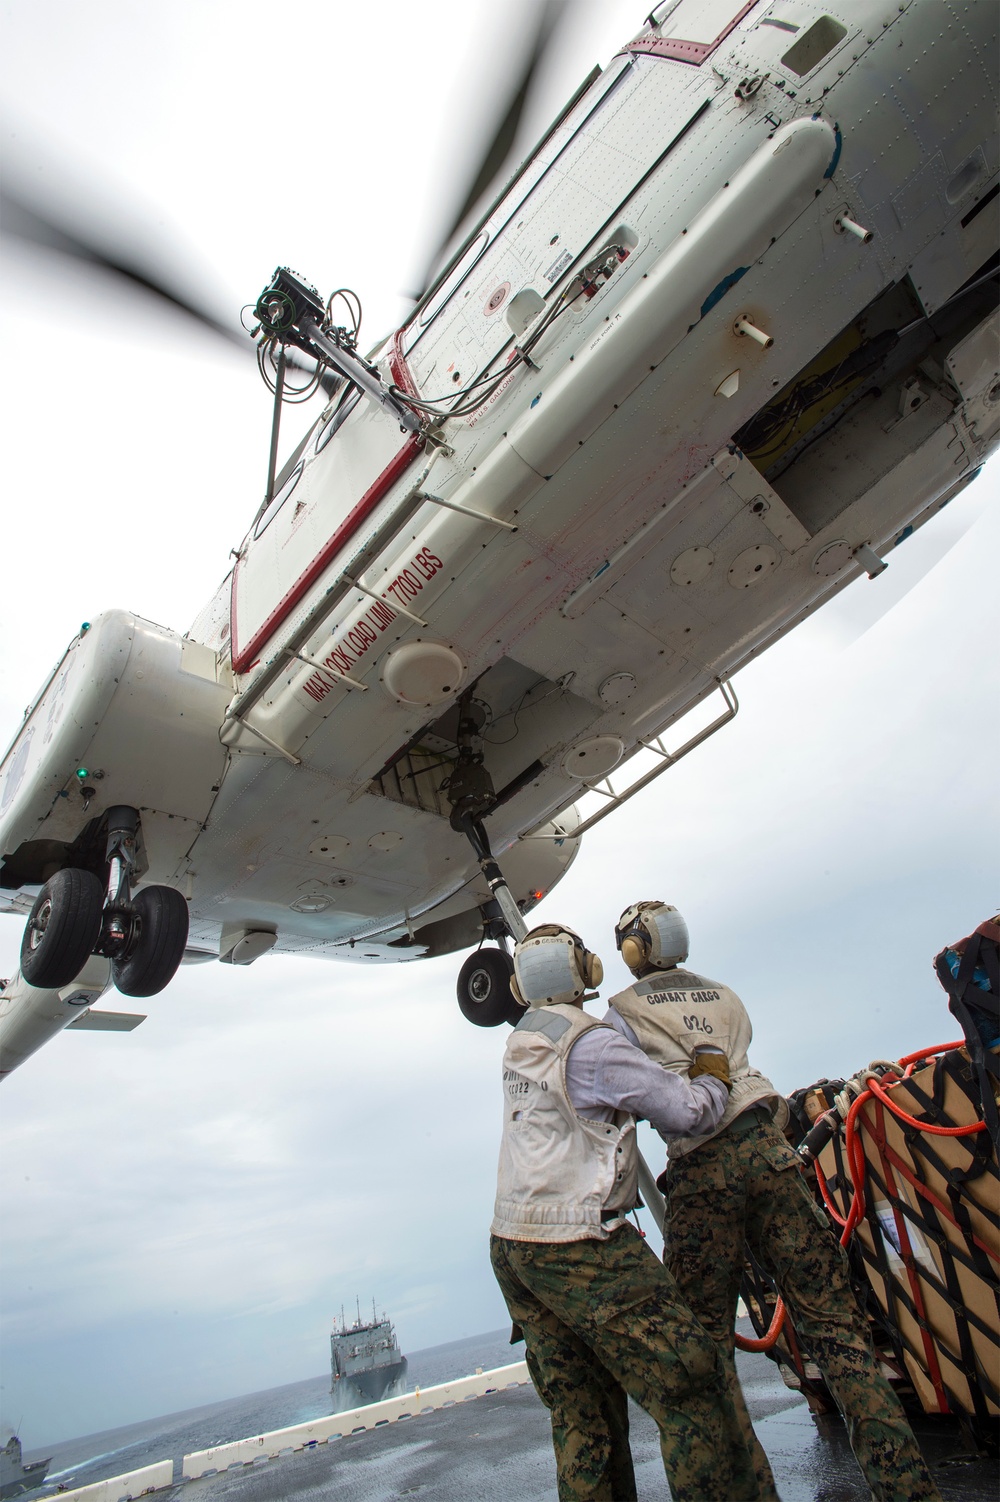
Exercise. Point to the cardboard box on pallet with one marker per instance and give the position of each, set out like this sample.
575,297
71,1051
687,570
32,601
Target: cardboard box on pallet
930,1238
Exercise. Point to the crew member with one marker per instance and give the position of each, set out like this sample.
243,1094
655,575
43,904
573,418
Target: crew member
601,1317
737,1182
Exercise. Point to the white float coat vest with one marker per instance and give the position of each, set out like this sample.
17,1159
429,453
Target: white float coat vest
674,1011
558,1171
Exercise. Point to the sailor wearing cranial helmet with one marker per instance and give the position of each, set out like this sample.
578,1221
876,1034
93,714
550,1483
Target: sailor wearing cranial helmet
600,1315
735,1184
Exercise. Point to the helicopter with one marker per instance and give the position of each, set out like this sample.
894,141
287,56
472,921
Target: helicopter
722,341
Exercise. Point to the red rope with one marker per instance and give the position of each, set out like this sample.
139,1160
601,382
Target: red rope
857,1165
877,1130
903,1168
924,1126
925,1053
747,1343
855,1150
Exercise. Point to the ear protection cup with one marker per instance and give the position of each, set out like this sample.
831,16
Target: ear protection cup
593,969
635,950
515,991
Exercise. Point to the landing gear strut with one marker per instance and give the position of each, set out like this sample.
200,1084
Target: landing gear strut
484,993
512,917
143,936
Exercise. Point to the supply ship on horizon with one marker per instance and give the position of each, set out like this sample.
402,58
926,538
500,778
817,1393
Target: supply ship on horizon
16,1475
365,1360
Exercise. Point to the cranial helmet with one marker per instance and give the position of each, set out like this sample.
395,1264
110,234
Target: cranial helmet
551,965
651,936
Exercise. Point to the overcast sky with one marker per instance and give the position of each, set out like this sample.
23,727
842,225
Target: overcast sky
187,1206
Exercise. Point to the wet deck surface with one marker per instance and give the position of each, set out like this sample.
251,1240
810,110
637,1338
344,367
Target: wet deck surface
497,1449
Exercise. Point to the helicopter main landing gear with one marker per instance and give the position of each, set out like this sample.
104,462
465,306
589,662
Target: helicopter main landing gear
72,918
484,994
63,929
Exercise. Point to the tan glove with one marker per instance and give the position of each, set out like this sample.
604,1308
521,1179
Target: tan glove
711,1063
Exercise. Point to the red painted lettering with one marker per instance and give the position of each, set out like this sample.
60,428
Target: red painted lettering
406,585
316,687
339,659
381,615
360,638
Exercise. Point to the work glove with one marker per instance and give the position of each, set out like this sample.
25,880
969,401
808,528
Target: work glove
711,1063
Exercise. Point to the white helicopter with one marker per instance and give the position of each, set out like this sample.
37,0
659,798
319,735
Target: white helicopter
724,339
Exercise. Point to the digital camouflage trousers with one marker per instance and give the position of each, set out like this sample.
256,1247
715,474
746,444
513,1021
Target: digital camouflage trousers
746,1186
602,1319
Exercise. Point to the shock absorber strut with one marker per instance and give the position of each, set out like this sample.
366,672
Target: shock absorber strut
473,830
469,787
118,930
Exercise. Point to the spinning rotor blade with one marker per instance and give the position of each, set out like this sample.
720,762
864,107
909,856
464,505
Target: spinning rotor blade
498,147
22,221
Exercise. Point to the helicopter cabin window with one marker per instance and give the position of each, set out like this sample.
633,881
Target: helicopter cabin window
455,278
333,419
690,30
276,502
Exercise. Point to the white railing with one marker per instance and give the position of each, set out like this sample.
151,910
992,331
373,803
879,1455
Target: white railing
336,1425
151,1478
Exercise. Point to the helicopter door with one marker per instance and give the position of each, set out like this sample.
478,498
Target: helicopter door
348,466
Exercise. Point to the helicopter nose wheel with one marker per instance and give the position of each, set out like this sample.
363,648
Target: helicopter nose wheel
63,929
484,994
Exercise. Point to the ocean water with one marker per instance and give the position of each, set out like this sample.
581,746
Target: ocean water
92,1457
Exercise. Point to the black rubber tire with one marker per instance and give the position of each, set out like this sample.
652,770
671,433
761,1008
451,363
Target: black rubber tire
151,964
62,928
484,994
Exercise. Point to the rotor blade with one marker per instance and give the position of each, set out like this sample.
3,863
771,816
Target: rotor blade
498,147
22,222
25,222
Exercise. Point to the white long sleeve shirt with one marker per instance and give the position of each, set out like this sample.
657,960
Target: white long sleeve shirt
605,1072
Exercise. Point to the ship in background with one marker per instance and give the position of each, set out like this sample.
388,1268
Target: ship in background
16,1475
365,1360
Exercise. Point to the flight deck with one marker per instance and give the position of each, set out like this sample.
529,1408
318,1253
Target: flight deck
497,1448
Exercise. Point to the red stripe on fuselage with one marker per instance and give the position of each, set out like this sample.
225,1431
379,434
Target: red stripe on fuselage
243,656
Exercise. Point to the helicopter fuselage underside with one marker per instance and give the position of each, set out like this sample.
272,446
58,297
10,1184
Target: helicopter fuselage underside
642,507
